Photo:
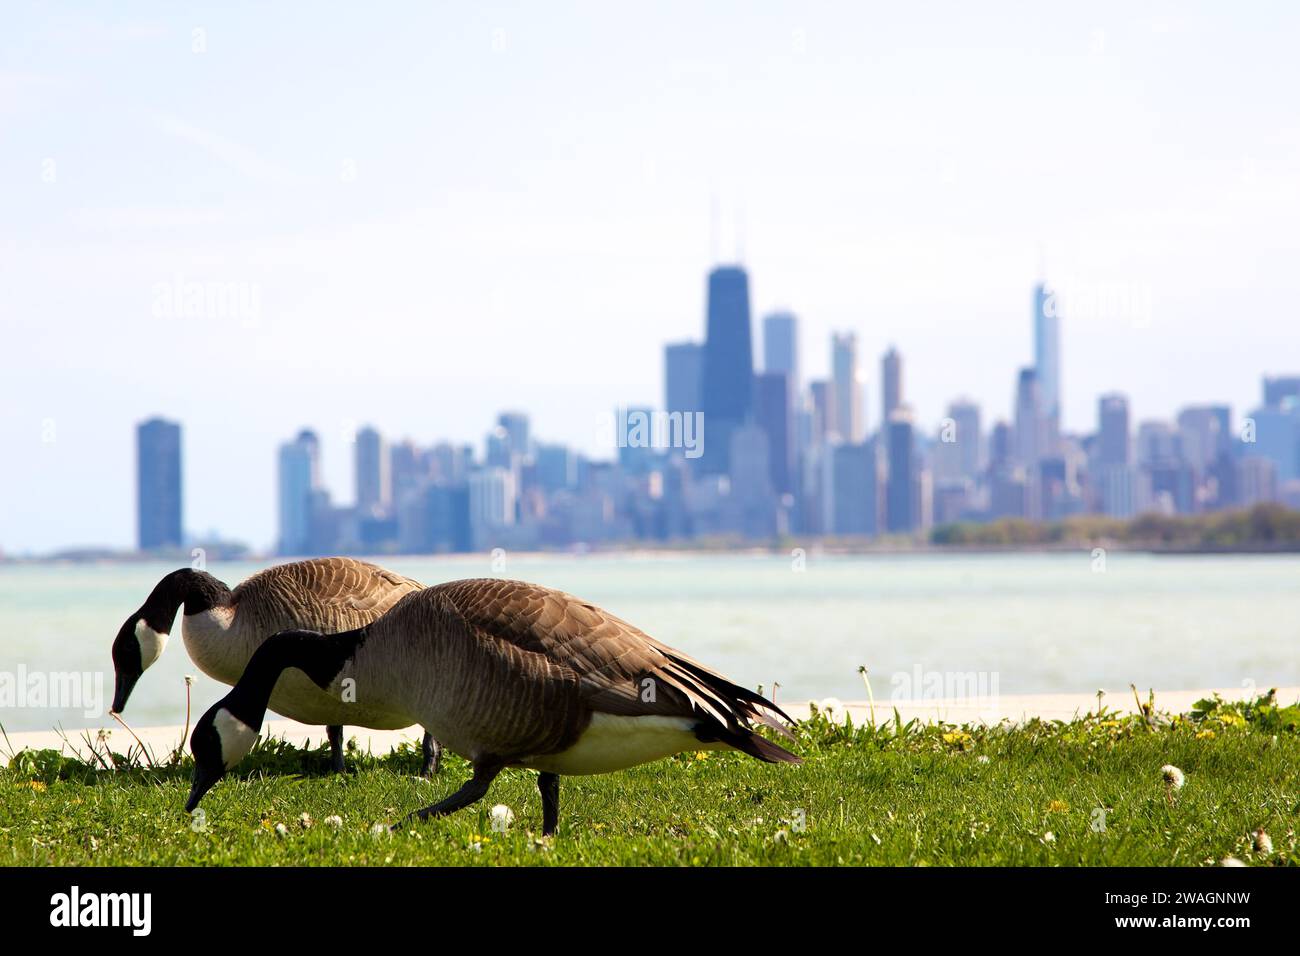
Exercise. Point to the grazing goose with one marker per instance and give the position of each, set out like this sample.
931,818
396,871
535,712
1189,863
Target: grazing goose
222,629
509,675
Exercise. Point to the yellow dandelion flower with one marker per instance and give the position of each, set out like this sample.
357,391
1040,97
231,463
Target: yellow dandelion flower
1058,806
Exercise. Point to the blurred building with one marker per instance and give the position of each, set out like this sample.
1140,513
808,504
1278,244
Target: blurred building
726,391
299,484
683,372
781,347
158,485
901,495
373,475
848,419
1047,363
891,383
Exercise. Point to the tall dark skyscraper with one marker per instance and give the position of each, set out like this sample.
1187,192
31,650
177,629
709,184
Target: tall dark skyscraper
774,414
158,484
900,501
891,383
1112,430
683,373
728,385
1047,360
781,347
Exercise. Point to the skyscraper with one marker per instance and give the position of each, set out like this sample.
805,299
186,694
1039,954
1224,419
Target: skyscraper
900,496
891,383
373,471
854,489
492,496
1029,419
299,481
727,387
1202,436
781,347
774,414
847,382
965,415
1279,388
683,372
1113,431
824,424
158,484
1047,361
519,432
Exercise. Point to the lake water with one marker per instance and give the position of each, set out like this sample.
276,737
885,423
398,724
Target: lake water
1030,623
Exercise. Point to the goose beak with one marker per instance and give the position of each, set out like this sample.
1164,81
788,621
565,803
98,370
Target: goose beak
122,690
200,784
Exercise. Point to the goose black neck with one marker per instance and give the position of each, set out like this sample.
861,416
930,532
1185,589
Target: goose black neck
319,656
198,591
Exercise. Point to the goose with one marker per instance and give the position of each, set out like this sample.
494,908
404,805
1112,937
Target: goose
507,674
222,628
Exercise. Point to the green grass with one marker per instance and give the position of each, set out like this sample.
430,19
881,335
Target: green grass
894,795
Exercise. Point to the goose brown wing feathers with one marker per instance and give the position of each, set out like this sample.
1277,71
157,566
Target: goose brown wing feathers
619,668
325,594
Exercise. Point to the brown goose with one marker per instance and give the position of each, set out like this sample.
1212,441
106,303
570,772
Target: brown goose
222,628
507,674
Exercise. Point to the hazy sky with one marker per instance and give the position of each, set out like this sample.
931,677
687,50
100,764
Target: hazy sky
429,213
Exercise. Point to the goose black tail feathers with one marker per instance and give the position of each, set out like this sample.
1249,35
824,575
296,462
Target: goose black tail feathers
763,749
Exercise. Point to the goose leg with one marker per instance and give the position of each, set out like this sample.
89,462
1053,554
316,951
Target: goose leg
335,734
432,755
471,792
549,785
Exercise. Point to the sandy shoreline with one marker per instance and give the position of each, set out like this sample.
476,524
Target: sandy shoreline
1015,708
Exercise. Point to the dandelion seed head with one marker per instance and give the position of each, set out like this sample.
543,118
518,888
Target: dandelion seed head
1173,776
832,707
334,821
281,830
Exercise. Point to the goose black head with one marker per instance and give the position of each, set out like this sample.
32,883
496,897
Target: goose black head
137,645
220,740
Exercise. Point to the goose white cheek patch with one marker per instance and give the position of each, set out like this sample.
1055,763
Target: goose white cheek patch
237,738
151,643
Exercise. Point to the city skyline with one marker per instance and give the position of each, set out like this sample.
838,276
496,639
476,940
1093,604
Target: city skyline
905,198
803,461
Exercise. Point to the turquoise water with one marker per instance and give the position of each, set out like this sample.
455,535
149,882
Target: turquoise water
1036,623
